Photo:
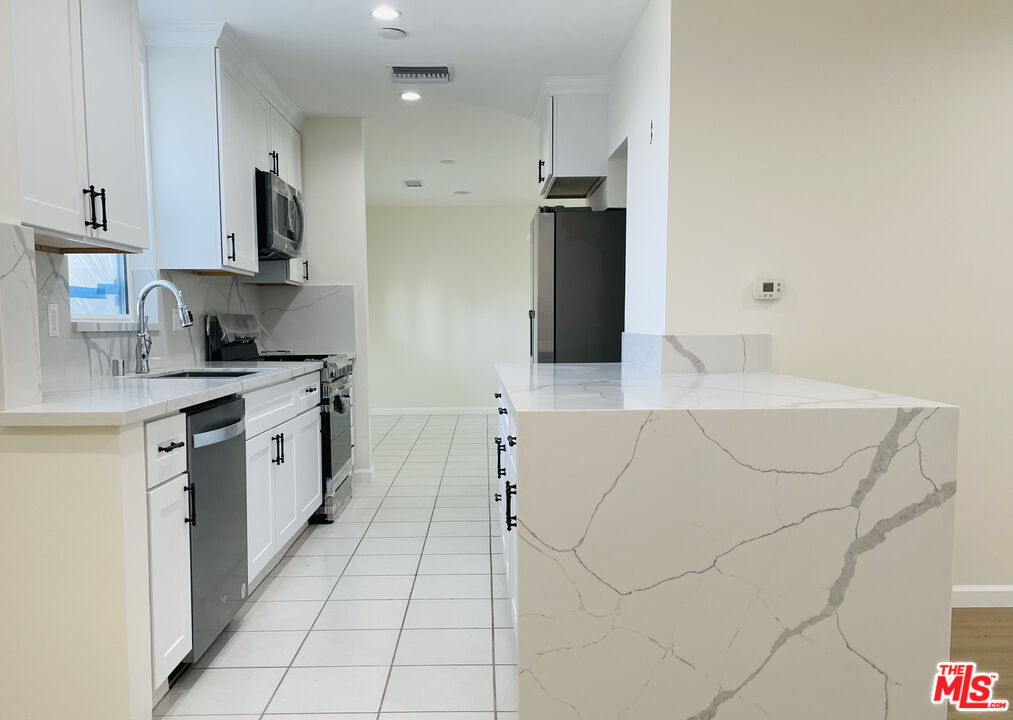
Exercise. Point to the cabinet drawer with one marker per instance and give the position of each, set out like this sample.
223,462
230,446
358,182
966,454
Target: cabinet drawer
278,404
308,394
165,449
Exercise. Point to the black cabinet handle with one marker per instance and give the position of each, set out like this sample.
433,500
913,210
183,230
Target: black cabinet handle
306,270
191,501
283,447
498,395
232,238
274,162
541,166
498,497
500,448
105,218
511,519
90,192
512,440
310,390
170,447
502,411
276,439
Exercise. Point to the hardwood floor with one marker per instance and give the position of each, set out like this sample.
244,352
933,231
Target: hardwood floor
985,636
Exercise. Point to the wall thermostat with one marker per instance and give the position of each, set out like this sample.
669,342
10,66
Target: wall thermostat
767,289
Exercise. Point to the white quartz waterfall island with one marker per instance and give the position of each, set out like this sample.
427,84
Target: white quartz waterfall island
726,546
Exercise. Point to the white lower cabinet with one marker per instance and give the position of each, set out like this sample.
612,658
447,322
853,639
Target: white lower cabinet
259,501
169,575
308,471
284,487
283,484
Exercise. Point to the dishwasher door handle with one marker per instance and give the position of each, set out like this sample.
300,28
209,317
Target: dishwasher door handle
213,437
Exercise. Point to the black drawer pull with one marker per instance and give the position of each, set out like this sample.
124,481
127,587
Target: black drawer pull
105,218
511,519
498,395
502,411
276,439
191,500
512,440
170,447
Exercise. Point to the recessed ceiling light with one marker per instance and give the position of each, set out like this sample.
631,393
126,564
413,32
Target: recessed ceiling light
413,183
447,162
389,33
410,96
386,12
462,192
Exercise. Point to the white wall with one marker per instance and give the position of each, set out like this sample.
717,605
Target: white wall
863,153
449,293
334,193
638,98
9,203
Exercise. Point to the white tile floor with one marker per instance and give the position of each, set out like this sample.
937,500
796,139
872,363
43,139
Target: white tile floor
397,611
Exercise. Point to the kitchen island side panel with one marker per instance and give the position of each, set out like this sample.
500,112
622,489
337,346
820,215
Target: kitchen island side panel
734,564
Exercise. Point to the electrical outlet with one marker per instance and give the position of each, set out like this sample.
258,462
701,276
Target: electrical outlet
54,320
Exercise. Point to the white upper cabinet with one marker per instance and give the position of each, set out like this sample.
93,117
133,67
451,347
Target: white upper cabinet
243,131
213,121
80,122
574,157
286,150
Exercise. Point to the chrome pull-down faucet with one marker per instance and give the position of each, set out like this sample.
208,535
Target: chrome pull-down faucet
143,337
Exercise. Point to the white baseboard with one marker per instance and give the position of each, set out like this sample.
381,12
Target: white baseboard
363,475
435,411
982,596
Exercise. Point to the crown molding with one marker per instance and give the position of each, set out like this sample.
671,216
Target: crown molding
570,85
221,36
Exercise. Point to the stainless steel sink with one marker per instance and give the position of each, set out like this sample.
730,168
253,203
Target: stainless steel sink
202,374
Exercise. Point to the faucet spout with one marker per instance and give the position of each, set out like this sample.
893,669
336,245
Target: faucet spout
143,336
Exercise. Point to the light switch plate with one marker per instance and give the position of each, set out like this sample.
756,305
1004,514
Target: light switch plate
53,311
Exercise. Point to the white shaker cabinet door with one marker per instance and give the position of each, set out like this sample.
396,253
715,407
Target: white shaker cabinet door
169,558
242,127
260,539
114,116
309,479
49,105
286,519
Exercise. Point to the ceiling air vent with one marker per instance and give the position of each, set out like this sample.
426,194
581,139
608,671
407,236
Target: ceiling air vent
413,183
415,74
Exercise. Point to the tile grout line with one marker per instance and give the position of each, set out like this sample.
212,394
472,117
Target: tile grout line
338,578
411,592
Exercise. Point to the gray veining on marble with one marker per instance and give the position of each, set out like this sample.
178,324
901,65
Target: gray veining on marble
719,560
75,357
20,378
308,319
697,353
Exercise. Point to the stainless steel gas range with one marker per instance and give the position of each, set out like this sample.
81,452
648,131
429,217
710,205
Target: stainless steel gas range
233,338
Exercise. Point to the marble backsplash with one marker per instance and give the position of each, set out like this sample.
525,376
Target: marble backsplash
74,356
698,354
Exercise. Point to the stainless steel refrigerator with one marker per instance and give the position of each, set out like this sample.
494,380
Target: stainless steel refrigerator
578,270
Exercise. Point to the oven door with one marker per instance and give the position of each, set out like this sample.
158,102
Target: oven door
340,416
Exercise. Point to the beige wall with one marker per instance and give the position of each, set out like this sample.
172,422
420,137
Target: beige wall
334,193
449,292
863,153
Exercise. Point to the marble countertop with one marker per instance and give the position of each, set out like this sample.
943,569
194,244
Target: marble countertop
553,388
118,401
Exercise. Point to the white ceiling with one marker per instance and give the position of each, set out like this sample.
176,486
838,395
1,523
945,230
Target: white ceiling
327,57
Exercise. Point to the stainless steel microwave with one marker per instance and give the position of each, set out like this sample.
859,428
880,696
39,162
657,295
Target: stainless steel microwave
279,217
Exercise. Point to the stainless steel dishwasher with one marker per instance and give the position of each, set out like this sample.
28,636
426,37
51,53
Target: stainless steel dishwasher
216,442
